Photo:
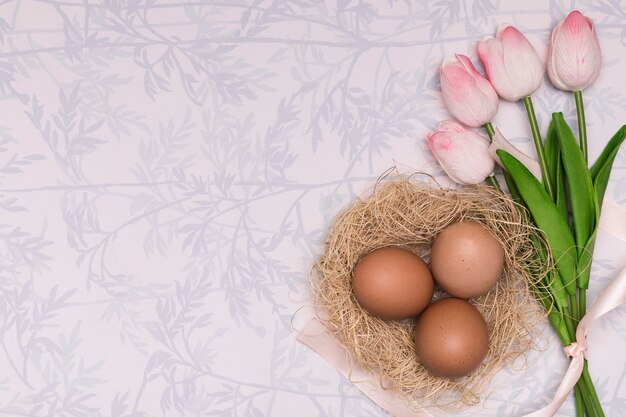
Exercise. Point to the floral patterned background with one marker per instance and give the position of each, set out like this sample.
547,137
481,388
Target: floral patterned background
168,171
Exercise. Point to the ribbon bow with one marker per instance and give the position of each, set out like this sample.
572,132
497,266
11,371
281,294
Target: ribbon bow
574,350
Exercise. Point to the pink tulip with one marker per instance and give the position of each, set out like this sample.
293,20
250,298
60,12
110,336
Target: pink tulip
469,96
574,56
511,63
463,154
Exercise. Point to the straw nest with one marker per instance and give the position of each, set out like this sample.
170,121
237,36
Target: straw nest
409,214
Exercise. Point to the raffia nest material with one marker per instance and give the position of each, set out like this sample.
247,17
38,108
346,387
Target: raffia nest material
406,213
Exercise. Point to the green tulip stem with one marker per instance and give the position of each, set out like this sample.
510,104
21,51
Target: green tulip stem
494,182
582,126
582,302
582,293
582,133
585,386
574,308
592,390
569,323
490,131
585,399
578,397
534,127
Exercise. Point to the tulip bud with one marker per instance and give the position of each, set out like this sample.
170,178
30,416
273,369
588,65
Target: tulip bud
469,96
511,63
574,56
463,154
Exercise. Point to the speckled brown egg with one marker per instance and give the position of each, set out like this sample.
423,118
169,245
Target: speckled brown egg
392,283
466,259
451,338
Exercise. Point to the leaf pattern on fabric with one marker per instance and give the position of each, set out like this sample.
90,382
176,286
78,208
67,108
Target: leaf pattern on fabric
168,172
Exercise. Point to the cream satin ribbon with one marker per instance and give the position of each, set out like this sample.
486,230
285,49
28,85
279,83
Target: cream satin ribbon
314,336
612,297
613,219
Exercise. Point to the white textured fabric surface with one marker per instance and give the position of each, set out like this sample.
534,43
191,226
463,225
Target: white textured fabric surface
169,169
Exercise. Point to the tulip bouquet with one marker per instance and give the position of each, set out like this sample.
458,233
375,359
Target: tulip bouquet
563,196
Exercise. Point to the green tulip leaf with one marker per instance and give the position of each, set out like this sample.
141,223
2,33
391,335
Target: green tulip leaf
555,166
552,280
555,312
600,173
584,261
547,217
585,256
582,196
551,150
512,187
601,169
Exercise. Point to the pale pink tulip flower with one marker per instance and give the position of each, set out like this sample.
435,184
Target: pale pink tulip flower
463,154
511,63
500,142
574,57
470,97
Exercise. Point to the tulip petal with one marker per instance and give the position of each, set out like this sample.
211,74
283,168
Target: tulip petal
521,62
462,154
468,95
500,142
511,63
574,59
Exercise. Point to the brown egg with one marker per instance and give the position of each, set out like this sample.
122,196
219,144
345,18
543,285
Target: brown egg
451,338
392,283
466,259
